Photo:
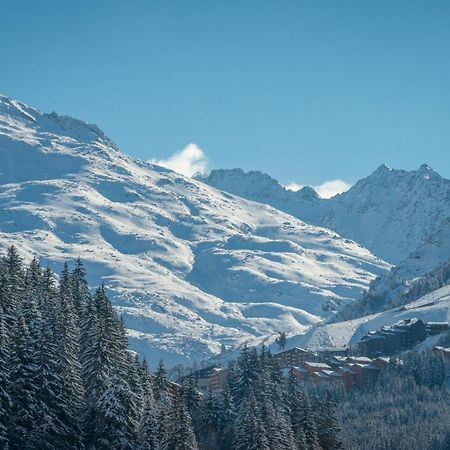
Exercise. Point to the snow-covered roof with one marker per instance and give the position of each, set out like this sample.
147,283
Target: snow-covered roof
317,365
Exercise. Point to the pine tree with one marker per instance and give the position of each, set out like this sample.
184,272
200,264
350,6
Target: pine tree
161,383
307,423
295,404
249,431
67,357
281,340
148,423
111,404
81,293
245,374
209,433
327,427
227,417
192,399
180,435
23,390
5,399
271,400
51,431
11,285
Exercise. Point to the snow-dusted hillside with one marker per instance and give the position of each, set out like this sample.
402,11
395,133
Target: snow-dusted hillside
433,307
190,267
391,212
422,270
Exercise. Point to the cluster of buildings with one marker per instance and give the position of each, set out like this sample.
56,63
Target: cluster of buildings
331,367
402,336
348,371
335,366
318,368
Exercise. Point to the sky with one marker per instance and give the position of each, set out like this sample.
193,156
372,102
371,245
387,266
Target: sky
310,92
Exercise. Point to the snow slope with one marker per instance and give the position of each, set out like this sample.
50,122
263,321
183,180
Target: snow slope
433,307
190,268
391,212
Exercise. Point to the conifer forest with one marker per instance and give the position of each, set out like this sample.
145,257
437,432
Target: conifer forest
69,381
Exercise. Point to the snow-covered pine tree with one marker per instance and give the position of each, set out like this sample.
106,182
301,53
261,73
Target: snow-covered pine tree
294,401
328,430
161,383
148,423
227,417
307,422
270,397
180,435
80,288
67,358
249,431
23,390
192,400
5,399
163,398
245,374
111,405
209,432
50,429
11,285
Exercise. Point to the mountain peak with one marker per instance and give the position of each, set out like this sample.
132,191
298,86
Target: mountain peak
384,168
308,193
14,111
427,172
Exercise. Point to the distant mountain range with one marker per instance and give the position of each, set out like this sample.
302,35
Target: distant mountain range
391,212
190,268
401,216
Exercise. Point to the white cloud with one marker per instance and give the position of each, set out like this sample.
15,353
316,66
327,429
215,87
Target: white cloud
189,161
331,188
327,189
293,186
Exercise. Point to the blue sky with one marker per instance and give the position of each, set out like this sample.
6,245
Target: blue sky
306,91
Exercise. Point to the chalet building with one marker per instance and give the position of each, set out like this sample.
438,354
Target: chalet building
293,357
326,377
380,362
312,367
299,372
390,340
433,328
307,368
348,377
445,353
358,360
211,379
337,361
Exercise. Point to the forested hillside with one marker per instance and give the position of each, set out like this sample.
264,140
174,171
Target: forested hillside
67,378
69,381
380,295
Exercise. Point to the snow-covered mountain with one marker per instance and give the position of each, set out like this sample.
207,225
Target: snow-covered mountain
433,307
422,270
190,267
391,212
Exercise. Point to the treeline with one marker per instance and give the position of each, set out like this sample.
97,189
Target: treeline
67,378
377,298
